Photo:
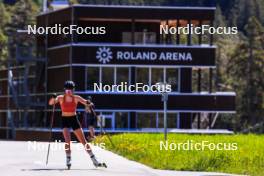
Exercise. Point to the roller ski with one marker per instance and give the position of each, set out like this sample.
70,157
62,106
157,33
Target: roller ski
96,163
68,162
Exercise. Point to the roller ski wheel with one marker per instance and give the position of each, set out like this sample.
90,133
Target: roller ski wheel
69,166
68,163
102,165
96,163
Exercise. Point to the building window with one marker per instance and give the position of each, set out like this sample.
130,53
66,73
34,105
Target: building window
157,75
140,37
108,76
146,120
122,75
204,84
92,77
142,75
171,120
1,119
148,37
107,120
121,120
183,37
172,78
206,37
194,36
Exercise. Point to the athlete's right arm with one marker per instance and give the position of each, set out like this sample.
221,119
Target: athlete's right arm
54,99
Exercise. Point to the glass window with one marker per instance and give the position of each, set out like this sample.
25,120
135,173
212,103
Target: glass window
107,76
162,37
172,78
205,80
194,36
140,37
183,37
172,38
146,120
171,120
195,78
149,37
121,120
206,37
92,77
126,37
108,123
122,75
156,75
108,120
3,119
142,75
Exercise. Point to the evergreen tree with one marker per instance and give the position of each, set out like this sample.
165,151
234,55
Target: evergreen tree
245,69
23,14
4,19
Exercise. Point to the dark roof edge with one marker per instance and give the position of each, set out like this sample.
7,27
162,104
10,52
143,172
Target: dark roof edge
149,7
132,6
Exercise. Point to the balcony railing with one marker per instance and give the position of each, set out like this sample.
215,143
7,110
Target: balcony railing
177,102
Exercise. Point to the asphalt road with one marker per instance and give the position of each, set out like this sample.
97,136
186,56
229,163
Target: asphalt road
28,159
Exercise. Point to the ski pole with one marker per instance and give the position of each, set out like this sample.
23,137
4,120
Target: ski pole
107,135
104,132
50,132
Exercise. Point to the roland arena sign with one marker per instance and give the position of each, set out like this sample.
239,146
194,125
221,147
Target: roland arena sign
145,55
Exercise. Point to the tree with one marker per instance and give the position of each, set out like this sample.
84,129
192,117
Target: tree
23,13
245,69
4,19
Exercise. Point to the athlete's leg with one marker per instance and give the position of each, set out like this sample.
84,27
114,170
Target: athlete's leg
91,130
80,136
67,138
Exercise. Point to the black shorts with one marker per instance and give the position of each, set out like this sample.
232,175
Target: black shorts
71,122
91,120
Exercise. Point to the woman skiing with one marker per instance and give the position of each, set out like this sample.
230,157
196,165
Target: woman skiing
91,119
68,103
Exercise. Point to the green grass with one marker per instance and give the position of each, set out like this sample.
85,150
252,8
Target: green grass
145,148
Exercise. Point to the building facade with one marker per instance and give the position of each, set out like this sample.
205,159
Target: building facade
131,33
133,50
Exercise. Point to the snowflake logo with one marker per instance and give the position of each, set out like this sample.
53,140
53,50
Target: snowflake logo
104,54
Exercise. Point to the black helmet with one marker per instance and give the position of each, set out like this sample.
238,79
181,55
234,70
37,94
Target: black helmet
69,85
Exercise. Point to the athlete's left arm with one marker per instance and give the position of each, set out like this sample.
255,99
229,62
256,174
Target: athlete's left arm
83,101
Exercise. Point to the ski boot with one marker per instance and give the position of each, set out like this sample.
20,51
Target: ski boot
68,162
96,163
